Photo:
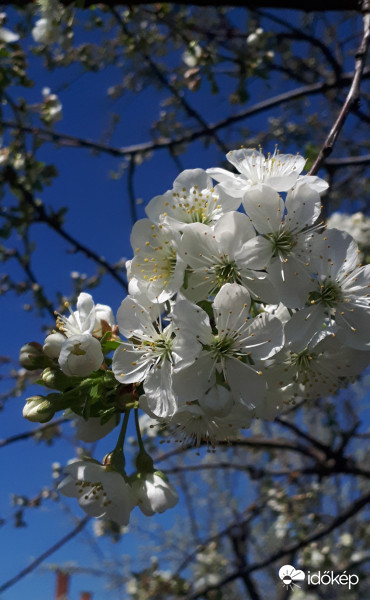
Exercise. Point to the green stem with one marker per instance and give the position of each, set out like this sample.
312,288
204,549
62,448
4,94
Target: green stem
122,435
144,462
138,432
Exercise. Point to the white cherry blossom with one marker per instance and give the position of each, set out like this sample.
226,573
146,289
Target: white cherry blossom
156,265
81,320
80,355
339,300
286,236
279,171
192,199
317,370
238,343
148,357
91,430
101,492
154,493
7,36
217,256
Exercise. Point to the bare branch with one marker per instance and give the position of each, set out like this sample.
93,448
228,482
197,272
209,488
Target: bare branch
28,434
191,112
164,143
348,161
304,5
40,559
319,533
43,217
352,96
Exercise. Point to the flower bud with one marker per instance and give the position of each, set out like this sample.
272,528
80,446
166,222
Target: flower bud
53,344
38,410
154,494
31,356
54,378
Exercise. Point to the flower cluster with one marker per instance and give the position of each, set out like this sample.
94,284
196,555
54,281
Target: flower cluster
240,301
232,314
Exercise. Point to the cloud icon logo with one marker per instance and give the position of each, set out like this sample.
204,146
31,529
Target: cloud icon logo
290,576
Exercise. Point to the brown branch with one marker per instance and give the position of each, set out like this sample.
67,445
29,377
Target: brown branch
353,95
191,112
40,559
238,536
28,434
164,143
319,533
348,161
252,511
43,217
304,5
326,469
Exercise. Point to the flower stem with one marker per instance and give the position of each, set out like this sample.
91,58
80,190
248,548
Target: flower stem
144,462
122,435
138,432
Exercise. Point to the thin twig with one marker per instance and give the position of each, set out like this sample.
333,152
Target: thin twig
352,96
319,533
43,217
40,559
163,143
28,434
191,112
347,161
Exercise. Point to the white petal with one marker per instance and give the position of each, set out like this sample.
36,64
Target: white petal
80,355
158,390
303,205
192,382
130,365
232,231
245,384
265,208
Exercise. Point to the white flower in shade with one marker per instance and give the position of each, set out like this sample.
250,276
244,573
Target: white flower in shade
80,355
192,54
7,36
100,492
53,344
316,371
279,171
216,417
192,426
239,343
148,357
339,298
156,264
192,199
218,255
46,31
154,493
357,225
286,237
51,108
92,429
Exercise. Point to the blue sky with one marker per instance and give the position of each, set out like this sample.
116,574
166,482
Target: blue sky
98,215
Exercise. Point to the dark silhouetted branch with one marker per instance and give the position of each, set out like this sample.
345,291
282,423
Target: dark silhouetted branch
40,559
352,96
